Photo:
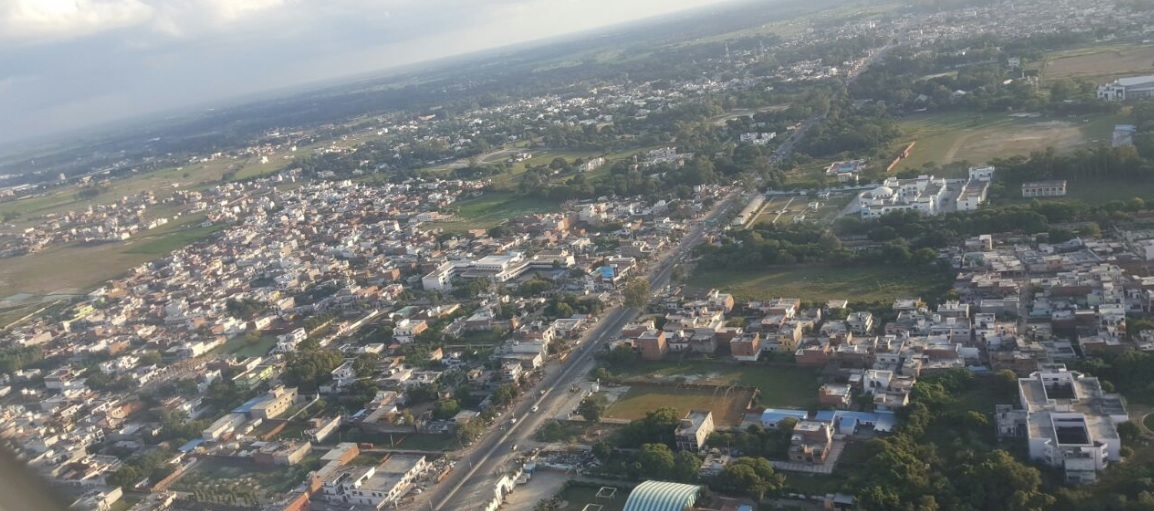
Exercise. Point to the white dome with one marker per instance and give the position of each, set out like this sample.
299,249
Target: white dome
882,191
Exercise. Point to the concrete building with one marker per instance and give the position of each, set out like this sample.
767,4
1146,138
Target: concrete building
652,345
274,404
811,442
694,430
1122,89
1068,421
1044,189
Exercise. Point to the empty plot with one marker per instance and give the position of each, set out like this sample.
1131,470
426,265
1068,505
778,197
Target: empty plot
978,138
1100,62
728,405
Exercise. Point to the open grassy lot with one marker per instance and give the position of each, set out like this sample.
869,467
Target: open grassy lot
75,269
220,476
1100,62
728,406
1096,191
781,386
821,283
493,208
978,138
577,497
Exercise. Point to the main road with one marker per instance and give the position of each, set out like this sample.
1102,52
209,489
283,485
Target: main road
471,484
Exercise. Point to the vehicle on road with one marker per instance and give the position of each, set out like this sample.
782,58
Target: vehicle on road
535,407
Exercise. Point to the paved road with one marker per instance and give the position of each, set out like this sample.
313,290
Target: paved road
472,483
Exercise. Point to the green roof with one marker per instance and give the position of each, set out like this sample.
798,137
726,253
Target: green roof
661,496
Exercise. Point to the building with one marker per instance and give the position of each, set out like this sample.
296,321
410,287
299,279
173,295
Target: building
408,329
924,194
376,487
846,171
1135,87
439,279
834,395
1123,135
694,430
811,442
662,496
652,345
274,404
1068,421
746,348
1044,189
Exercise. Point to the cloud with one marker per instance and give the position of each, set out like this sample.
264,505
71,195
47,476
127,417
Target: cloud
34,21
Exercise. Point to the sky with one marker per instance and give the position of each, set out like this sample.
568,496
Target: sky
68,64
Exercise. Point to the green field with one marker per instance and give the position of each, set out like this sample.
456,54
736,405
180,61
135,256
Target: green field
577,497
493,208
822,283
76,269
211,475
728,407
977,137
1099,63
164,244
781,386
1093,192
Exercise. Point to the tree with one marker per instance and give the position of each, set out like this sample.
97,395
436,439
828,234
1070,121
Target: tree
445,409
505,394
636,292
591,409
752,476
686,467
308,369
365,365
656,461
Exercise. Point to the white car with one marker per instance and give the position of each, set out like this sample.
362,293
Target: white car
535,408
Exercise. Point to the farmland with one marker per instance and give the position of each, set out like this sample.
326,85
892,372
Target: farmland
75,269
978,138
1099,63
821,283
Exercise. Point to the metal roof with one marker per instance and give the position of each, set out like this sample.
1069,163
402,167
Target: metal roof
662,496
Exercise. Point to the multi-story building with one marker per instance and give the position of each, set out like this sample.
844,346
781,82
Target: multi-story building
694,430
1122,89
811,442
1068,421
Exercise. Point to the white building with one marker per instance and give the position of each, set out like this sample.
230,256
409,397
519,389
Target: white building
1068,421
923,194
1135,87
439,279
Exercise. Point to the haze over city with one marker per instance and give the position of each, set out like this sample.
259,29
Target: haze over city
66,64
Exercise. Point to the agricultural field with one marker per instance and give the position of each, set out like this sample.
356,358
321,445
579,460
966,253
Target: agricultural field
821,283
781,386
1100,63
978,138
493,208
728,405
76,269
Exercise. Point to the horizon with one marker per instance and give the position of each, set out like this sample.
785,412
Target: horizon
42,114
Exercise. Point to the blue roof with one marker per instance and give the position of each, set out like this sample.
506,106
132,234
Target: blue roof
881,421
191,445
607,272
662,496
775,415
247,406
